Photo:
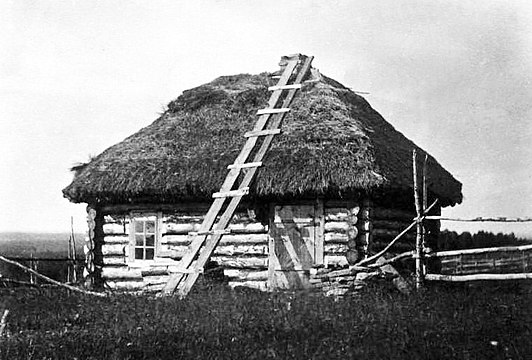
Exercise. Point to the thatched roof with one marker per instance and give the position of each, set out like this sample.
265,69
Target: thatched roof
333,144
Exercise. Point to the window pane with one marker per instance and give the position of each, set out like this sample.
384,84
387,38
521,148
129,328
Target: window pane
139,240
139,226
150,227
139,253
150,240
149,253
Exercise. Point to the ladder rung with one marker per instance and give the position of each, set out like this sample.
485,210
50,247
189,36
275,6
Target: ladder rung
262,132
272,111
210,232
243,166
187,271
285,87
232,193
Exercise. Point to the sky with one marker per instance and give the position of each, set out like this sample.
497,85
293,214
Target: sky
79,76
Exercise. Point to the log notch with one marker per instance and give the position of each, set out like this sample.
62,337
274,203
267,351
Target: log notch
365,229
341,233
92,247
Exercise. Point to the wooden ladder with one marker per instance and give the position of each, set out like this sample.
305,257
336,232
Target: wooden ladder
268,125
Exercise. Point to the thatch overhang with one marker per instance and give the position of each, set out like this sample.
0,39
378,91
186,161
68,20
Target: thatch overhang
334,144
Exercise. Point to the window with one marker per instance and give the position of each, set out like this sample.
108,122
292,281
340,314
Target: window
144,237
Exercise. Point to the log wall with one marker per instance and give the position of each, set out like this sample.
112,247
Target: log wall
387,223
341,233
243,254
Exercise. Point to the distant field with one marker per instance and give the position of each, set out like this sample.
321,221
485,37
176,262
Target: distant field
23,244
19,245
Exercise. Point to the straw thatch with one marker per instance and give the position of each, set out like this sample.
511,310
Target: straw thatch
333,144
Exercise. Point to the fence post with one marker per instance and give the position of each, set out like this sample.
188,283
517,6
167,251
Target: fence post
419,229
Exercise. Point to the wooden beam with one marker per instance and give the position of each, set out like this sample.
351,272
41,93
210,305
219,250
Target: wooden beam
244,166
284,87
478,277
481,250
256,133
479,219
230,193
419,225
273,111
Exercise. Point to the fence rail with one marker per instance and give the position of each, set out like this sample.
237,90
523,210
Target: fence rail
493,263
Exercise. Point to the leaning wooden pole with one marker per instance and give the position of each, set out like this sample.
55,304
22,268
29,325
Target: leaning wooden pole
419,230
46,278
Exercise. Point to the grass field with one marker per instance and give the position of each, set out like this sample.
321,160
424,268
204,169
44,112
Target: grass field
466,322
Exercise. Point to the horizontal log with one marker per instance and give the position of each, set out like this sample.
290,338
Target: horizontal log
185,240
183,219
241,263
172,254
335,249
480,219
174,228
155,270
390,224
121,273
246,275
119,219
117,239
114,260
335,273
251,228
259,285
177,252
336,292
155,280
336,214
336,226
477,277
113,249
336,237
335,260
113,228
234,250
393,214
398,246
125,285
482,250
390,234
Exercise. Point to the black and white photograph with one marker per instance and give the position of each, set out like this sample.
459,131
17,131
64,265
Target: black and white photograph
236,179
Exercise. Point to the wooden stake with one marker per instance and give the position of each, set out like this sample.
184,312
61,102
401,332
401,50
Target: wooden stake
419,240
424,207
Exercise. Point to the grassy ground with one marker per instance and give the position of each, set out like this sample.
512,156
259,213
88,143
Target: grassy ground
480,322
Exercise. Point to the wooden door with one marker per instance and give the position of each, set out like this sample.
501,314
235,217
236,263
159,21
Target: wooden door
296,244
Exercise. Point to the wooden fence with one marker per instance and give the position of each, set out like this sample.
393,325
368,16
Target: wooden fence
495,263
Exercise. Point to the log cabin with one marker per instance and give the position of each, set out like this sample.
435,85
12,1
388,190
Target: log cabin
335,186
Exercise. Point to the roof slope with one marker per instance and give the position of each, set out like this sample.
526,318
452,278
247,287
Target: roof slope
333,143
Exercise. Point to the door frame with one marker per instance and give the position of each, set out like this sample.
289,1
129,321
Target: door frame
319,236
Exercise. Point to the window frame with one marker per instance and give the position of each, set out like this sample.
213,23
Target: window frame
134,218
